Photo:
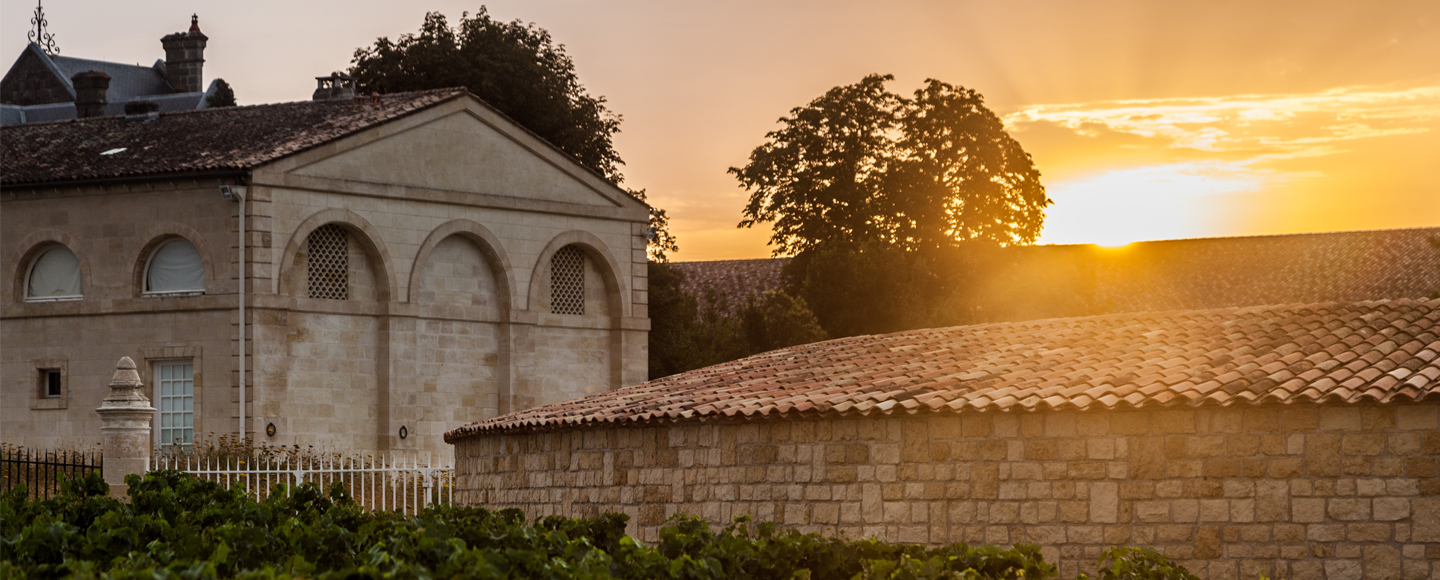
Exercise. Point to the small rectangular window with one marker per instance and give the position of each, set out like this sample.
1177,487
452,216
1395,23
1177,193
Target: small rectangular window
50,383
175,385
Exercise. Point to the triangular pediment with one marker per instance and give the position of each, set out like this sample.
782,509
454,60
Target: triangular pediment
459,152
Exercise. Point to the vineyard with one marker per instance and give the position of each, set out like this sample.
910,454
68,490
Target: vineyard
178,526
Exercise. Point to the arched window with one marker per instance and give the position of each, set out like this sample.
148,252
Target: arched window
55,275
175,267
328,264
567,281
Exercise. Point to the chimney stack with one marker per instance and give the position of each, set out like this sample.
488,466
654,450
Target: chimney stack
185,58
90,89
334,88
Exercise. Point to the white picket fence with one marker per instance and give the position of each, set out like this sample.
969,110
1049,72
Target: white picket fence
403,482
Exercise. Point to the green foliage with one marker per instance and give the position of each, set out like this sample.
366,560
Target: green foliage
819,177
689,332
861,165
873,288
893,207
778,320
224,95
686,331
1124,563
176,526
659,240
514,66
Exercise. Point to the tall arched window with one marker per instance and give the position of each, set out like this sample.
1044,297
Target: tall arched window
567,281
175,268
55,275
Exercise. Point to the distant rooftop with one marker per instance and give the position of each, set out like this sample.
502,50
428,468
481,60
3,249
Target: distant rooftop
1075,280
208,140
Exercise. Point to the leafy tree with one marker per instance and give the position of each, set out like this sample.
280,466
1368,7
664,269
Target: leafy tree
514,66
862,164
659,239
778,320
819,176
224,95
958,176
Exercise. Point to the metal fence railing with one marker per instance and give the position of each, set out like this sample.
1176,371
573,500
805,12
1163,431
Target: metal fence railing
405,483
43,471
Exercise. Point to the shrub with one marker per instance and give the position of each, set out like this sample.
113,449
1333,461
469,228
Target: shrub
177,526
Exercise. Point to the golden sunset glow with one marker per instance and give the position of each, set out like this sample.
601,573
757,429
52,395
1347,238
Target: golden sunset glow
1148,120
1203,166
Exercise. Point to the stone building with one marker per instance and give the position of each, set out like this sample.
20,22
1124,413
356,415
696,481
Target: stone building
1294,441
42,87
410,262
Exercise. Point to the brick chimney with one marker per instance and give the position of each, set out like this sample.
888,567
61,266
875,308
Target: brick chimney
90,89
185,58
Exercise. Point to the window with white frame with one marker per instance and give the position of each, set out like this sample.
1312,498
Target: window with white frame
55,275
175,268
175,384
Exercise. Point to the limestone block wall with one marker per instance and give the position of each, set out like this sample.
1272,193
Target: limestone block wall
112,232
1304,492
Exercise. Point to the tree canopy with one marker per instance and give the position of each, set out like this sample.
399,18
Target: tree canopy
514,66
224,95
862,164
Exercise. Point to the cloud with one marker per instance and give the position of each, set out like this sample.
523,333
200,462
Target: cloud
1288,125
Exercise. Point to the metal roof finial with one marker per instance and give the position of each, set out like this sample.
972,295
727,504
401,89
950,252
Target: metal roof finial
40,36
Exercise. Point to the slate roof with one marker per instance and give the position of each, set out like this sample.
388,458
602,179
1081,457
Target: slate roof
13,114
733,281
206,140
1381,351
127,81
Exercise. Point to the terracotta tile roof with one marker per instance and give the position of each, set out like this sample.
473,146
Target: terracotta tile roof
206,140
1380,351
733,282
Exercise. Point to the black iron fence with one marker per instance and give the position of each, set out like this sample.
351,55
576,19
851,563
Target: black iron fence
42,472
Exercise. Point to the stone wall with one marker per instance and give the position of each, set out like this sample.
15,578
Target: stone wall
112,234
1298,492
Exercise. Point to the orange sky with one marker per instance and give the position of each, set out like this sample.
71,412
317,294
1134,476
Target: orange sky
1148,120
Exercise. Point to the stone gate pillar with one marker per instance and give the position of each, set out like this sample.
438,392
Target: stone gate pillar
125,418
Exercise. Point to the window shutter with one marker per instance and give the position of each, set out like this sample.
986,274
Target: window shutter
567,281
329,263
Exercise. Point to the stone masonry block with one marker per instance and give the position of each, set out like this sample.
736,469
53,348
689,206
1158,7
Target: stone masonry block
1426,518
1389,509
1104,502
1348,509
1418,417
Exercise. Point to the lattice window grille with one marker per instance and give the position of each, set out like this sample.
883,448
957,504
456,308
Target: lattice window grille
329,263
567,281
